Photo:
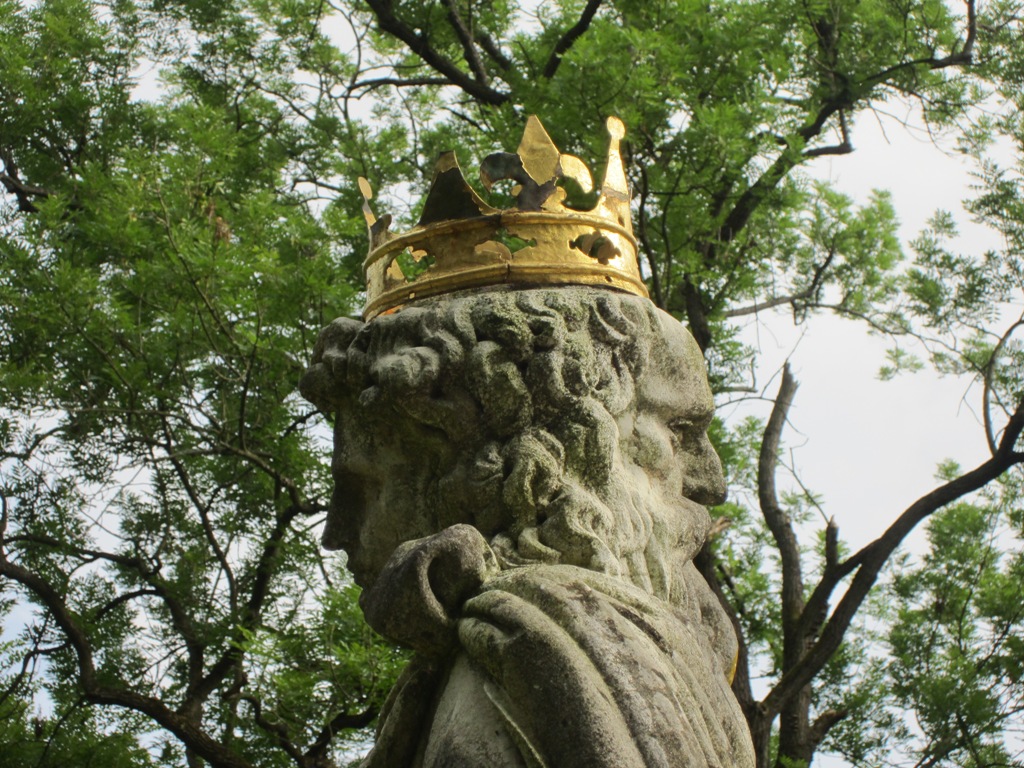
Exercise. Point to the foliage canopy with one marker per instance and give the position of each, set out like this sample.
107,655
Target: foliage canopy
180,220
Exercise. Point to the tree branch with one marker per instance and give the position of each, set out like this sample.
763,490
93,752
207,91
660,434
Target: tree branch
644,239
465,36
705,564
27,450
277,730
250,614
822,725
843,148
696,313
955,58
202,510
401,82
987,384
419,44
492,50
186,729
761,306
571,36
778,522
23,192
340,722
180,619
870,560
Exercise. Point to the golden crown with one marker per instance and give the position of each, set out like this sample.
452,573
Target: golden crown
461,242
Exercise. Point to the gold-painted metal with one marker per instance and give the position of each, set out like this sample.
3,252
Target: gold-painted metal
461,242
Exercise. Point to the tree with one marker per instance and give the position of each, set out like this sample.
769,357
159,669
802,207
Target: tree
959,619
168,259
163,282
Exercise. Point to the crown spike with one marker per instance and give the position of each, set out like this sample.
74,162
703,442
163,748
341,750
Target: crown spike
450,196
367,192
460,242
615,173
571,167
538,152
614,200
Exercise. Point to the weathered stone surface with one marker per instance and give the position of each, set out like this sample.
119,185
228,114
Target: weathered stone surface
520,480
420,593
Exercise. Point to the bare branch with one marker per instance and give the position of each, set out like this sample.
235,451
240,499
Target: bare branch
869,561
24,193
400,82
956,58
341,721
571,36
419,44
778,522
831,544
761,306
843,148
987,382
823,724
186,729
492,50
465,36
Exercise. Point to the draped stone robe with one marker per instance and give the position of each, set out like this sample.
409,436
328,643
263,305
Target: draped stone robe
547,666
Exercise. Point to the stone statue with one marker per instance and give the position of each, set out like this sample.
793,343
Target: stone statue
520,478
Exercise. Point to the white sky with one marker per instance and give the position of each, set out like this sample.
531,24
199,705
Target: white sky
871,448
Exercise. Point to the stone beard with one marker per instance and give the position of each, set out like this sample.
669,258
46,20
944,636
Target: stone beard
519,486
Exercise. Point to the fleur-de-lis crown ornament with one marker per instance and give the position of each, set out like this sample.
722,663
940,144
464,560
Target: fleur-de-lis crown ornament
461,242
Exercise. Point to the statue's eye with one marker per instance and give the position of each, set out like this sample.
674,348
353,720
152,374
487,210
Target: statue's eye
688,433
683,430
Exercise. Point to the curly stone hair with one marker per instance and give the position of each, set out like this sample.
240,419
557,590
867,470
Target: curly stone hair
523,387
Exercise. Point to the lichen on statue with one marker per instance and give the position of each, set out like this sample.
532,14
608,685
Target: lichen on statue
520,480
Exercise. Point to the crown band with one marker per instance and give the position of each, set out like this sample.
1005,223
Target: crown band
502,274
496,221
461,242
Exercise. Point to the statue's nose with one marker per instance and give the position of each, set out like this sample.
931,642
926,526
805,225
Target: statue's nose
703,480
